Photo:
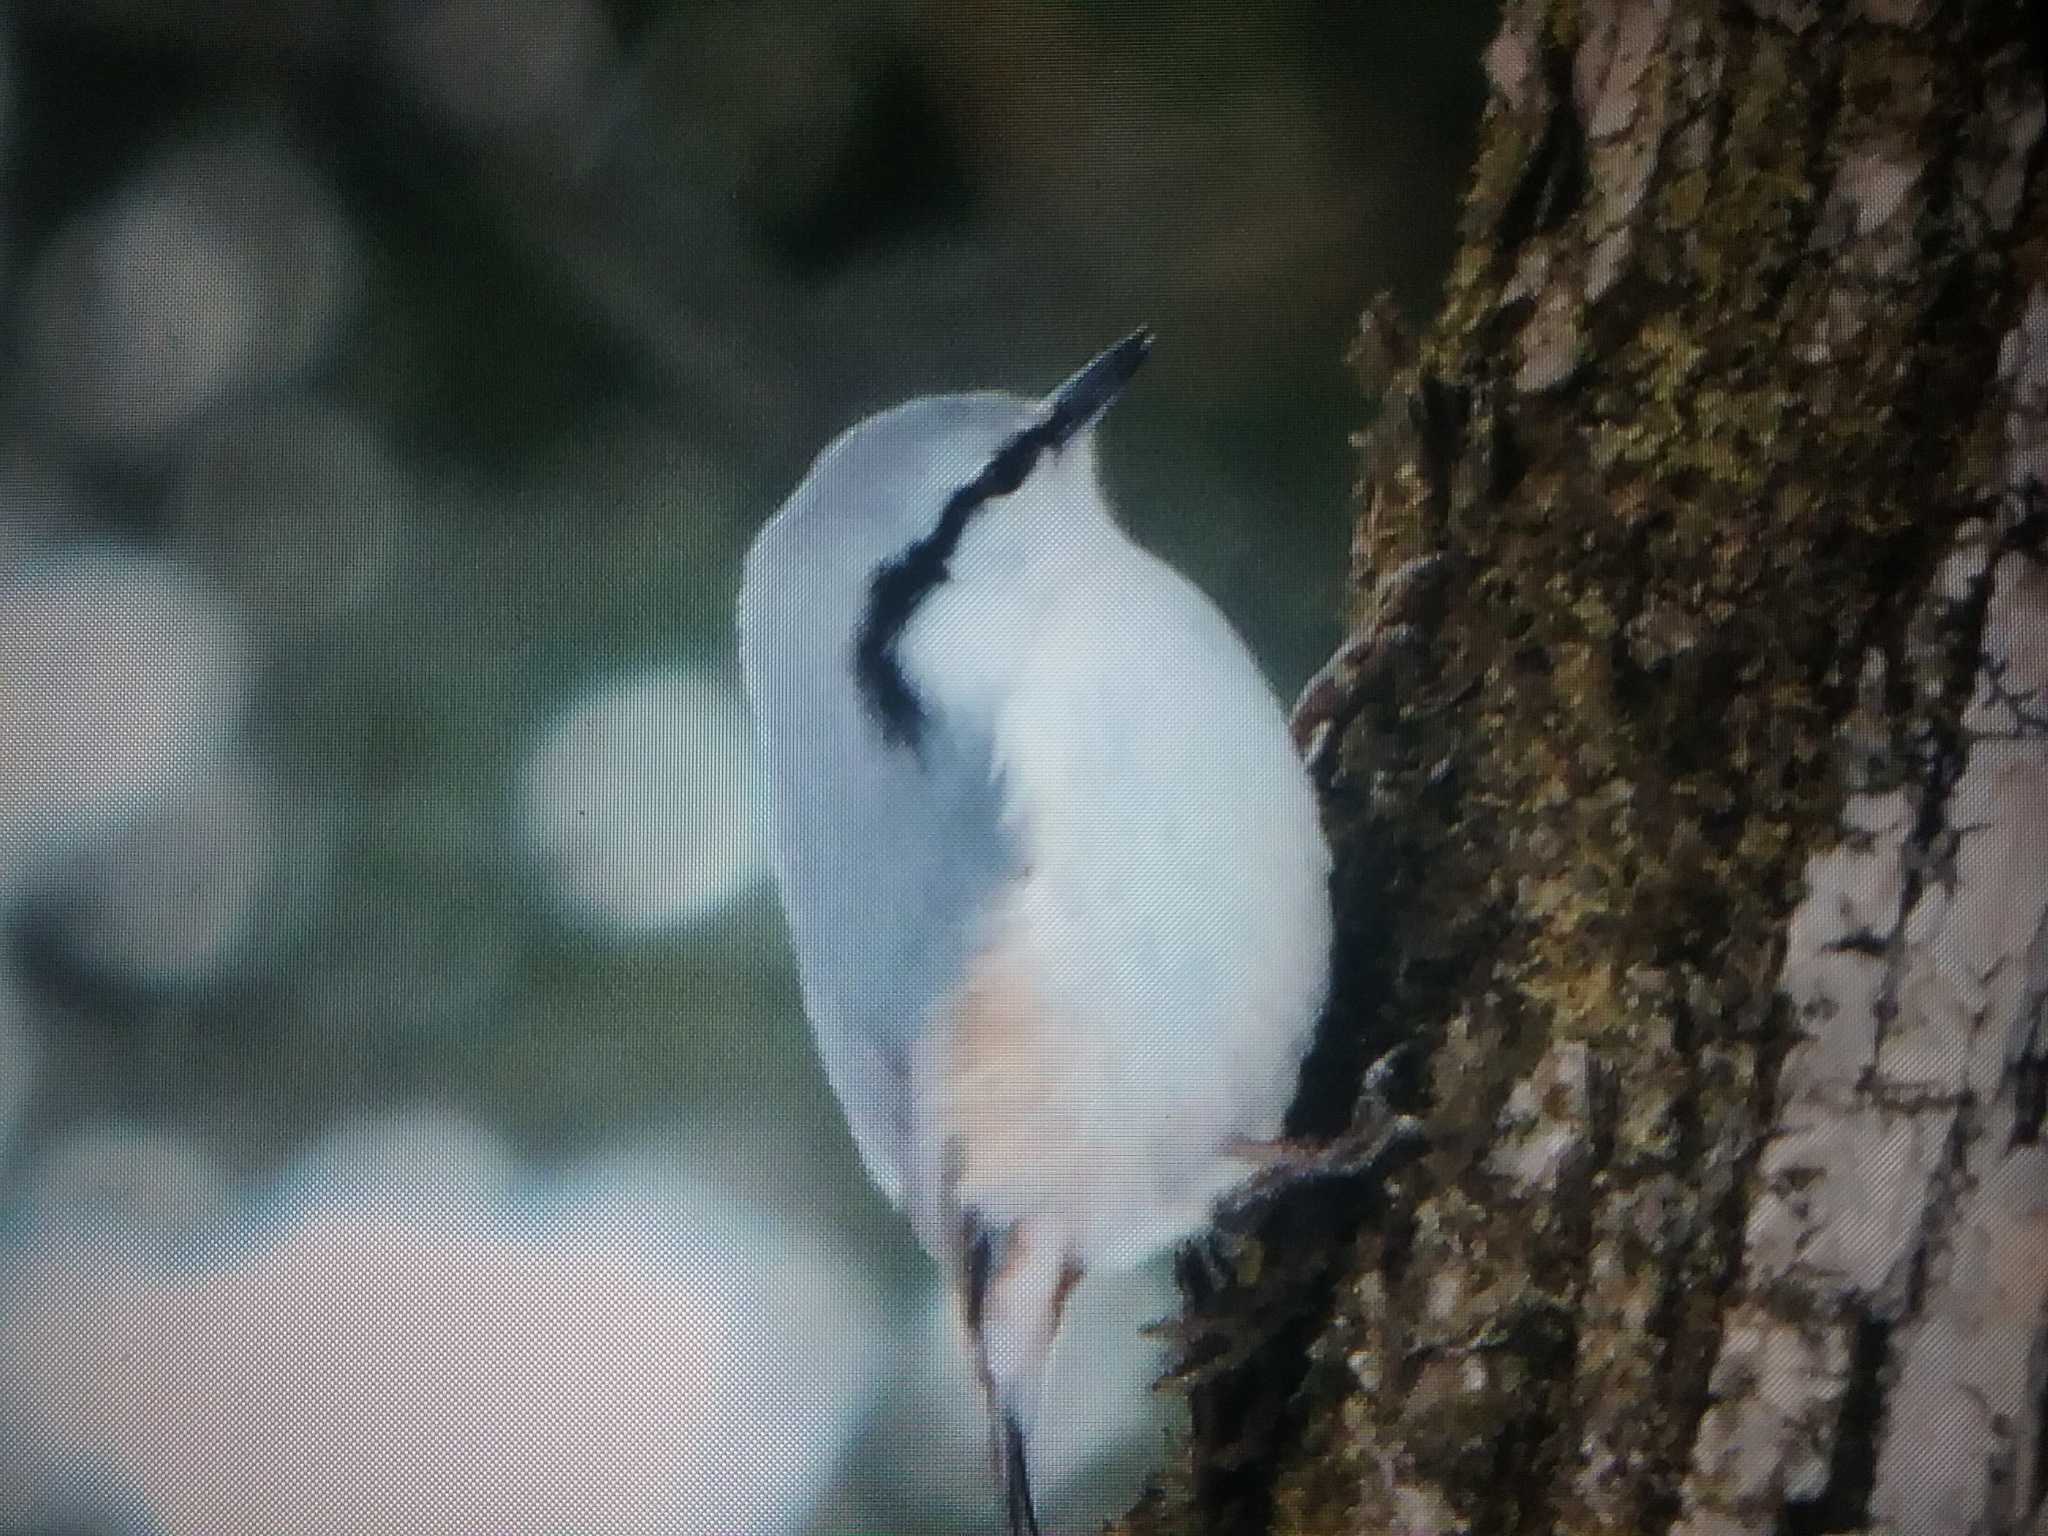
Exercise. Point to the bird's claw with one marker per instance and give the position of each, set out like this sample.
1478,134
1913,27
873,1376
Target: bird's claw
1378,1134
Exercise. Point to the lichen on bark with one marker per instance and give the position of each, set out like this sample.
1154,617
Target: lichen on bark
1712,403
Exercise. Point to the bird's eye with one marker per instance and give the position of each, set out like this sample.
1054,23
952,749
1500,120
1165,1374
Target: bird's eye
1006,471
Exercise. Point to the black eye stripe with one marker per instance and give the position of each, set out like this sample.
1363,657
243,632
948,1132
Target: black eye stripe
902,583
1008,469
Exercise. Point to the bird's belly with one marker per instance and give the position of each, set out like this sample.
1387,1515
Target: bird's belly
1114,1125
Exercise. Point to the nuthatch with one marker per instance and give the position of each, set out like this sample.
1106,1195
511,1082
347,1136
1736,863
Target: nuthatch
1053,870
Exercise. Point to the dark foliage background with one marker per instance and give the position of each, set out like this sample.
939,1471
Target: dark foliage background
391,390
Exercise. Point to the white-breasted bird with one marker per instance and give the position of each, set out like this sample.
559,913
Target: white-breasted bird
1052,867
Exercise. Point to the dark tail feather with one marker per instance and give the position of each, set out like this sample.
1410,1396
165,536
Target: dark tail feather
1017,1482
978,1264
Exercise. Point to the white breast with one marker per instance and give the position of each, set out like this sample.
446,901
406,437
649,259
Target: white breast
1152,980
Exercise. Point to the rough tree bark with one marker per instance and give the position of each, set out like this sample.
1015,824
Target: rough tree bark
1689,771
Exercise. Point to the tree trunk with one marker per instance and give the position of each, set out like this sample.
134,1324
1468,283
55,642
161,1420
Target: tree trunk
1689,776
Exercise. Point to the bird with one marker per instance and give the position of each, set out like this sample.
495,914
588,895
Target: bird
1053,870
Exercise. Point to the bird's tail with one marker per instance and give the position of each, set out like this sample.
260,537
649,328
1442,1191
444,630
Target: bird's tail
1013,1291
1014,1475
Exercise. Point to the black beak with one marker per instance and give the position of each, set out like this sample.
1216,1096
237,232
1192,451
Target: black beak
1076,404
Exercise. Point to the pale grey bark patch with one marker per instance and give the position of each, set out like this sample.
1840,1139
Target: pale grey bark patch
1546,1126
1899,1238
1621,76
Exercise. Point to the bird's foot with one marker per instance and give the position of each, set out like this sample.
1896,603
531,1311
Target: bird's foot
1369,659
1379,1134
1215,1261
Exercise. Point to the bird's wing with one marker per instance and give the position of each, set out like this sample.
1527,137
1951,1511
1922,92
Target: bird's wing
885,856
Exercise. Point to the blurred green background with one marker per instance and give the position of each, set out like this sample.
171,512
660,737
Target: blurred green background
393,387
